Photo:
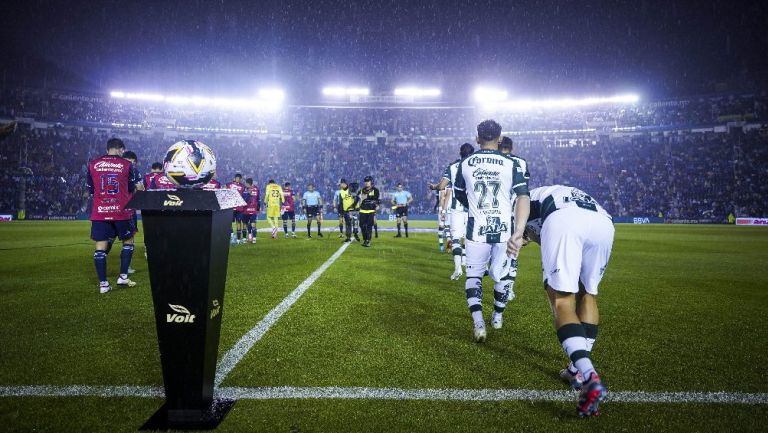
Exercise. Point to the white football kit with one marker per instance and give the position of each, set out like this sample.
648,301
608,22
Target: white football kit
576,237
487,182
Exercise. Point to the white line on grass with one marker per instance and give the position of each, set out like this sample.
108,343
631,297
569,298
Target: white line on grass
246,342
312,393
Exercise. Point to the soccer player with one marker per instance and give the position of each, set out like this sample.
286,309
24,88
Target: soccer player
156,179
505,145
338,206
401,199
484,184
289,212
457,213
237,214
312,203
252,207
576,238
137,179
273,198
369,202
111,184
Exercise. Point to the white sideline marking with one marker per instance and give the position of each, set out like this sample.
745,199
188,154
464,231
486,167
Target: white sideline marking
246,342
288,392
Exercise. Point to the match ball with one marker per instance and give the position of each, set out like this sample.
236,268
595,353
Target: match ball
189,163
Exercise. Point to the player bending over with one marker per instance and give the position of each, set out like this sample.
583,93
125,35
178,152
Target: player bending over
401,200
312,203
273,198
456,212
485,183
576,238
111,183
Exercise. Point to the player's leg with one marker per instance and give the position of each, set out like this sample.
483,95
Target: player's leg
348,224
293,224
342,218
478,254
399,222
458,231
366,226
441,230
375,224
309,225
232,239
285,223
101,233
125,232
499,271
562,244
405,221
319,218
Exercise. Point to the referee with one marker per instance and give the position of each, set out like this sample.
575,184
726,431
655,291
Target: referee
401,200
369,201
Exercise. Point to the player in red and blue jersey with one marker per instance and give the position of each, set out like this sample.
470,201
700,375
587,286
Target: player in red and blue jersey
289,212
252,207
237,216
111,182
157,178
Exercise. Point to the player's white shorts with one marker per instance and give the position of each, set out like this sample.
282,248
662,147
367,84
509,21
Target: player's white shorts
458,222
575,246
480,253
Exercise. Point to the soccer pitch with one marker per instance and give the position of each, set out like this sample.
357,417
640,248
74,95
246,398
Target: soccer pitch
381,340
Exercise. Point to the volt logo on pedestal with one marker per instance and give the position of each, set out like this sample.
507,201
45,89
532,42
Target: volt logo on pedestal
181,315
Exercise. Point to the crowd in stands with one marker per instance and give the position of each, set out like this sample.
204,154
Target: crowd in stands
679,175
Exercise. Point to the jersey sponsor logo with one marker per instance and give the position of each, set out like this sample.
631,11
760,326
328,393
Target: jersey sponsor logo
475,160
215,308
181,315
173,200
482,173
113,208
493,226
107,166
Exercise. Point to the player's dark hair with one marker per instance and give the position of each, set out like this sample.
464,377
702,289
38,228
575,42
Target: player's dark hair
506,144
488,130
398,184
249,181
465,150
115,143
271,181
310,184
238,175
129,154
287,184
157,166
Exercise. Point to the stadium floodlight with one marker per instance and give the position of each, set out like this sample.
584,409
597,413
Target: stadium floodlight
340,92
272,94
418,92
489,94
529,104
267,100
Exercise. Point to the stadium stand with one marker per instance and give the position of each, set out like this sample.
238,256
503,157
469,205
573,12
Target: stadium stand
697,158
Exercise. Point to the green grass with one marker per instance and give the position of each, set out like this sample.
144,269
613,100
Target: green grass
682,309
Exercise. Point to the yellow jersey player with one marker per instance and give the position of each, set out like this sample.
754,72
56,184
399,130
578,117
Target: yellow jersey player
273,198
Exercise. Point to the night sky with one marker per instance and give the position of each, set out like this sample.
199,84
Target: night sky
532,48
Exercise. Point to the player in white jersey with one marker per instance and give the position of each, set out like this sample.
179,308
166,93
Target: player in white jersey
576,237
485,184
456,212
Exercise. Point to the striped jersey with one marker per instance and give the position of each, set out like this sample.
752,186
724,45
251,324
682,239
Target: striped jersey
487,183
547,199
450,174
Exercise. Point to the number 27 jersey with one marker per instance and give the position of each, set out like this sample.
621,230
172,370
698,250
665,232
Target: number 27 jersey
487,182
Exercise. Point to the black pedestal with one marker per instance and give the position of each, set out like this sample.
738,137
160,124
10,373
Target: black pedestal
186,233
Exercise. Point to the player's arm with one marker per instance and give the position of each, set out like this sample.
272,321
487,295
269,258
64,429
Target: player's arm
520,178
131,179
445,199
